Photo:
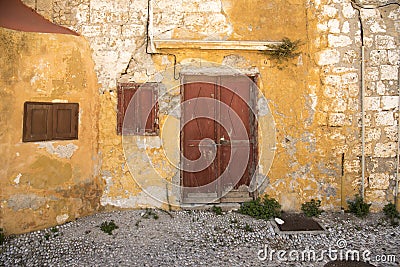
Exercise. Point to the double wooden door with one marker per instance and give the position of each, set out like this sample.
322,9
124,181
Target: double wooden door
218,136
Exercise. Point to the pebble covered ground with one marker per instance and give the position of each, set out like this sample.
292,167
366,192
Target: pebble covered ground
201,238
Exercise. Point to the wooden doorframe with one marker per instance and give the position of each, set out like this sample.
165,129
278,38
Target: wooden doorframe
253,125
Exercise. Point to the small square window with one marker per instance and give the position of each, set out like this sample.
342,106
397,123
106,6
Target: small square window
142,112
50,121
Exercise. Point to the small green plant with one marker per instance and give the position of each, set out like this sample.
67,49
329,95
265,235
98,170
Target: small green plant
108,227
150,213
392,214
358,207
248,228
311,208
286,50
266,208
53,232
2,236
47,236
216,210
137,223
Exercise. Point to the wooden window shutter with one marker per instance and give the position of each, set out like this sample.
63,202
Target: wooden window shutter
65,121
147,101
139,121
125,94
38,122
50,121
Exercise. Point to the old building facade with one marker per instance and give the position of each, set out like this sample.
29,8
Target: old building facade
324,124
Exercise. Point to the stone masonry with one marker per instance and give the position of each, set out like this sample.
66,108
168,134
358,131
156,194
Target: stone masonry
343,30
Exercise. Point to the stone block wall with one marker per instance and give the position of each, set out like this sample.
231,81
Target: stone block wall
343,29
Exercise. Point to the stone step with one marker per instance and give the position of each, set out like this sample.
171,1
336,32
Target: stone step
224,206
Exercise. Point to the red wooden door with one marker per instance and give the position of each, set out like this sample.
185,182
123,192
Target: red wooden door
217,139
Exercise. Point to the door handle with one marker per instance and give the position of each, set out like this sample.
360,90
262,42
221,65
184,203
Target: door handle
223,141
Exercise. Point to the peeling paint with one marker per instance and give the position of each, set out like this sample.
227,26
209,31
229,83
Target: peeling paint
17,179
148,142
62,218
61,151
25,201
149,197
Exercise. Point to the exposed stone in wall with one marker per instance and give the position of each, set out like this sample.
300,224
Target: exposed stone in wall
340,64
116,30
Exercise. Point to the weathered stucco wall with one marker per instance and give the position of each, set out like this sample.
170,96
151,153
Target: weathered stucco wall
314,99
47,183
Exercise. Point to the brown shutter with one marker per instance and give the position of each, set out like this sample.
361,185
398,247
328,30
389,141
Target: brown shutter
139,121
148,119
125,94
65,121
120,109
38,118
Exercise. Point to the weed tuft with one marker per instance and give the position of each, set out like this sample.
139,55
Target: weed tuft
150,213
392,214
286,50
2,236
358,207
311,208
108,227
216,210
248,228
266,208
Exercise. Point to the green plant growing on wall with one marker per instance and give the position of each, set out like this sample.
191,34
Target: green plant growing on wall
311,208
108,227
392,214
266,208
358,207
286,50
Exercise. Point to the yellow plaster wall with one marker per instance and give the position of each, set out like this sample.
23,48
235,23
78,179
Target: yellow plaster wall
46,183
293,177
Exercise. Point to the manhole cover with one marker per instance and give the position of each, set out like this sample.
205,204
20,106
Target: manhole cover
348,264
298,223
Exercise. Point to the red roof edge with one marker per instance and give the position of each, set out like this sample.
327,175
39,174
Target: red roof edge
17,16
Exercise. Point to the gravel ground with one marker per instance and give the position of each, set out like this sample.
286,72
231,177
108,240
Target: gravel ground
200,238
